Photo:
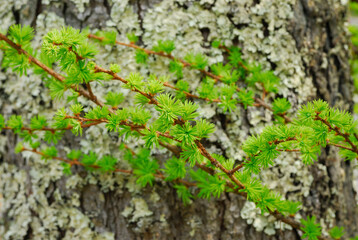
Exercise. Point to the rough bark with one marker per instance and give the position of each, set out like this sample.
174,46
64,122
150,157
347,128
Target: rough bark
111,206
316,29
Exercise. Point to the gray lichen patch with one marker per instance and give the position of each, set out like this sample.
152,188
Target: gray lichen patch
21,199
138,212
81,4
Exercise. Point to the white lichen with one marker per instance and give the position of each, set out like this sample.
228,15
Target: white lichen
138,213
80,4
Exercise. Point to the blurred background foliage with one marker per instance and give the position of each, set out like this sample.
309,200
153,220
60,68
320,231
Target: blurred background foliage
353,29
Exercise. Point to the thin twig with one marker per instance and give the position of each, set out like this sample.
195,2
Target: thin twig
190,95
54,74
338,132
258,101
95,122
159,175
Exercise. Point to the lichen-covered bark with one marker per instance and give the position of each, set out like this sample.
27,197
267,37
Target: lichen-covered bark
320,36
303,41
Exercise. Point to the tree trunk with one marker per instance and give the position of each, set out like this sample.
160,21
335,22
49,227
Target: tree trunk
305,42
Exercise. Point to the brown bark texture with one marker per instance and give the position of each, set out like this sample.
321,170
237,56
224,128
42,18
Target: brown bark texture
317,29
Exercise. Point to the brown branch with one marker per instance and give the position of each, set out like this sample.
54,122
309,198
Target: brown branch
159,175
237,168
129,149
355,135
258,101
276,142
190,95
289,150
151,98
117,77
244,66
54,74
88,85
338,132
217,164
226,49
162,54
78,57
31,58
134,127
340,146
95,122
